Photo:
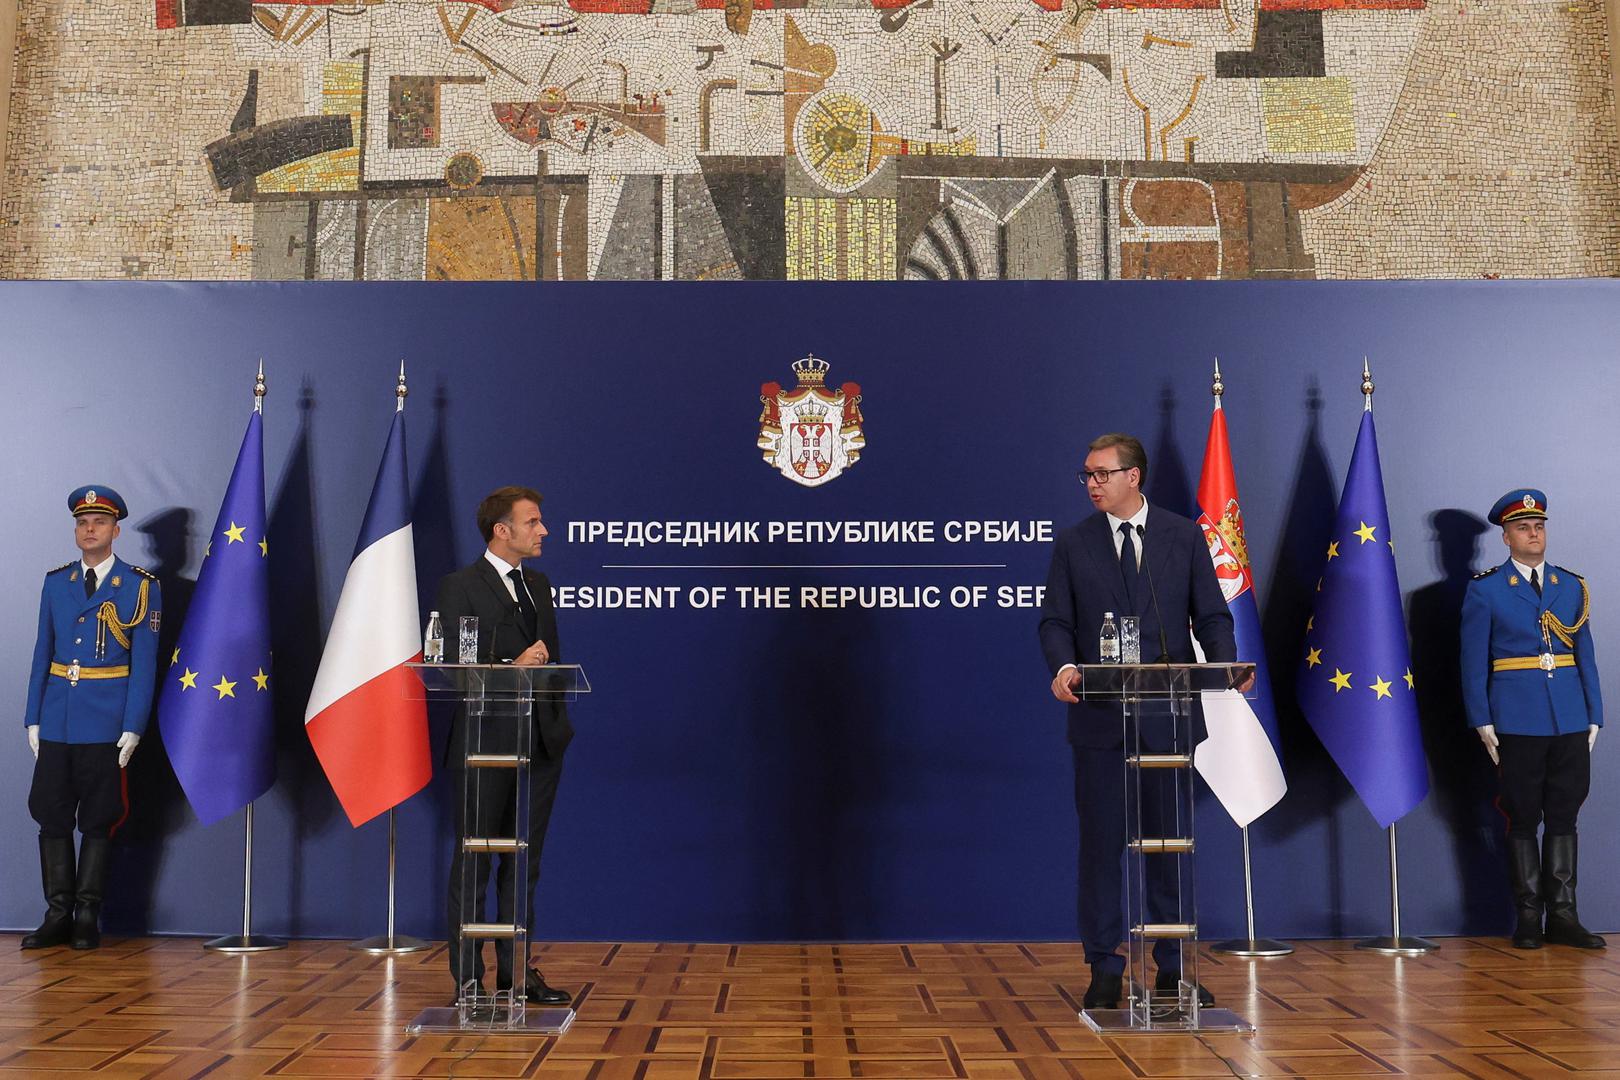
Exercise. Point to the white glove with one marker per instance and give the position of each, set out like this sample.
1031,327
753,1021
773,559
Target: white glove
33,739
1591,736
1487,735
126,747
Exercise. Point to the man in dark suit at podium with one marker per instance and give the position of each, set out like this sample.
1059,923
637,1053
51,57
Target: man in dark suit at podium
1128,559
516,625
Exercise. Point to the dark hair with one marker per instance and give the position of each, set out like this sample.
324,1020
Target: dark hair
1131,454
497,506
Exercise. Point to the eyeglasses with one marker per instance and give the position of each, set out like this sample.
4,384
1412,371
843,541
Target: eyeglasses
1101,476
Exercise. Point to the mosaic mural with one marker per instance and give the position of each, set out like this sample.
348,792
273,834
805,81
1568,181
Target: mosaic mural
820,139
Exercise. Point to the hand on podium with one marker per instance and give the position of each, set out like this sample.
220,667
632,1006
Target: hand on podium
534,655
1065,682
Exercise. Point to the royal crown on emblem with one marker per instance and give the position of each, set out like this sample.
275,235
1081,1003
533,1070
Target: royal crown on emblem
812,412
811,371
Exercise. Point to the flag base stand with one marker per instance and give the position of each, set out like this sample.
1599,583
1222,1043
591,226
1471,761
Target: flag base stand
390,945
1249,948
245,943
1399,946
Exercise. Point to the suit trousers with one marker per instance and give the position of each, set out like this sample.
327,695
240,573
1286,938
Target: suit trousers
1099,799
493,814
1544,776
80,780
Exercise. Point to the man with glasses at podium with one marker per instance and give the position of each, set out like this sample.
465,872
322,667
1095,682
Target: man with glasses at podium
1128,559
516,625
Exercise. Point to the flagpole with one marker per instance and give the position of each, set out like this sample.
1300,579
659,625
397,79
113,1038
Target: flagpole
248,941
392,944
1394,944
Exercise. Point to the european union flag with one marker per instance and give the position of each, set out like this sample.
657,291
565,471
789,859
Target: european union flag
215,709
1355,685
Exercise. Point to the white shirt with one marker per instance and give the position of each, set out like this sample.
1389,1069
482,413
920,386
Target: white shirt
1524,571
1138,519
102,570
502,567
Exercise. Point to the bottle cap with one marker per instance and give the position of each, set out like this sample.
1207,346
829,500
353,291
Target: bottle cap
1108,614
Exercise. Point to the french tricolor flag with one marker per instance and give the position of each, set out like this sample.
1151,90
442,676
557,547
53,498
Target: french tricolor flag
367,716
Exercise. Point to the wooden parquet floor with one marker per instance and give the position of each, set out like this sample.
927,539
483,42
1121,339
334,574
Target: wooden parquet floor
164,1008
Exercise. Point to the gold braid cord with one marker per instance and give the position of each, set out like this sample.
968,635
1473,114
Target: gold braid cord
1554,625
107,619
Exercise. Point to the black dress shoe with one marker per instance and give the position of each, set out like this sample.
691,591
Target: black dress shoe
538,993
1167,982
1103,993
1564,928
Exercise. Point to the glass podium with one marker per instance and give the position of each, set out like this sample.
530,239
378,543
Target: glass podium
499,701
1159,847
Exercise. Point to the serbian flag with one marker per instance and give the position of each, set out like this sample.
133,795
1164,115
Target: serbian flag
367,715
1240,759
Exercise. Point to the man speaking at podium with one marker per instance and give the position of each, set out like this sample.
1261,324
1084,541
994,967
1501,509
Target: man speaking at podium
516,625
1130,559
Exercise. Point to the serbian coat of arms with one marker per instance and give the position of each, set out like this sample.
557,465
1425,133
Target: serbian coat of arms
1228,549
811,433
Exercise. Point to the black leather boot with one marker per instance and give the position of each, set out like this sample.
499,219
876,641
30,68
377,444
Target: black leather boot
56,872
1524,870
92,883
1558,889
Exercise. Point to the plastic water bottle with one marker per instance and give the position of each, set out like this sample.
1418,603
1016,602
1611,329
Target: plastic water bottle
1108,640
433,640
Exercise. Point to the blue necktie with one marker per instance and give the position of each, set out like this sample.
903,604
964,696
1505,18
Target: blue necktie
1127,563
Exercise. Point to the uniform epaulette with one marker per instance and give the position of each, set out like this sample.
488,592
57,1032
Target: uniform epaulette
1572,573
145,573
59,569
1488,573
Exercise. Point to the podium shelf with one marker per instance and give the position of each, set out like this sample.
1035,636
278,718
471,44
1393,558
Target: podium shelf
1163,847
495,761
489,930
499,845
1160,761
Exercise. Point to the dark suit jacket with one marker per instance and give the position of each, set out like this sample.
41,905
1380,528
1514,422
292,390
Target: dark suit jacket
1084,582
478,590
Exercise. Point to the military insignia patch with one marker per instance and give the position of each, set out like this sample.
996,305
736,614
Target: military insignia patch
73,576
1552,579
116,581
155,621
1513,579
811,433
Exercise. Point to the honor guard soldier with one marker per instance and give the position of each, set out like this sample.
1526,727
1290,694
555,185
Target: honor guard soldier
1530,684
89,694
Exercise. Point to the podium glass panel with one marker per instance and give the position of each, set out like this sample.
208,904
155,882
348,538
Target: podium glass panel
1157,706
499,702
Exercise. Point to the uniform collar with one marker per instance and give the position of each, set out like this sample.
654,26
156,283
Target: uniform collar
1524,571
103,569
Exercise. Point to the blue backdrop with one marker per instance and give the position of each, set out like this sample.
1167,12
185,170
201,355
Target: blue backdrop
808,774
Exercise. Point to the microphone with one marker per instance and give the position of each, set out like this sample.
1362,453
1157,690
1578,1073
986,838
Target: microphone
1164,643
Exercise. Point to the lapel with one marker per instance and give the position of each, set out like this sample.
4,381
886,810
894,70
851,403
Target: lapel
1099,544
497,587
1155,551
1523,590
105,590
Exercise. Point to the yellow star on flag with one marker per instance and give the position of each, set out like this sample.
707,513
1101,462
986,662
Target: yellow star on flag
1380,688
225,687
1408,678
175,659
1391,544
1340,680
188,681
261,681
264,547
1333,550
1310,624
1313,658
234,533
1366,532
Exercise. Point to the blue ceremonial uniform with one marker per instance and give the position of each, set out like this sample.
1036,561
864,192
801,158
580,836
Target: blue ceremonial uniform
92,708
1501,620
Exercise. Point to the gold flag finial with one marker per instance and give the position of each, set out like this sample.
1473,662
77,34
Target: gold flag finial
1217,387
400,389
259,388
1366,385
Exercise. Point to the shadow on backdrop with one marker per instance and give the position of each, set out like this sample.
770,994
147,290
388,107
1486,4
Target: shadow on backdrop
1316,787
157,803
1463,779
1168,484
295,640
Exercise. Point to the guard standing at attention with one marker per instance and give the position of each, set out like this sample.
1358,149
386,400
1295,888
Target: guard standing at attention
89,695
1530,684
